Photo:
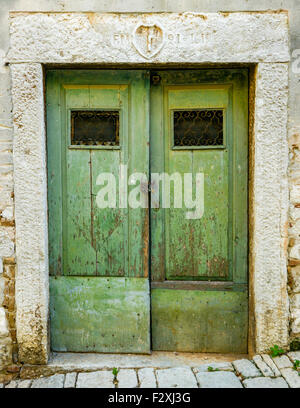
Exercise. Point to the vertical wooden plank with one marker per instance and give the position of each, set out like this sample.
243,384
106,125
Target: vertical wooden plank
197,248
157,151
240,177
211,231
194,316
110,224
54,172
138,237
179,230
79,245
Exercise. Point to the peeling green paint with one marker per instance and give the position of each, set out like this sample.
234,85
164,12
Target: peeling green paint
100,314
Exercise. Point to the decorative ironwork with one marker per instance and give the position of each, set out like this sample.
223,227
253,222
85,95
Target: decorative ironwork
203,127
95,128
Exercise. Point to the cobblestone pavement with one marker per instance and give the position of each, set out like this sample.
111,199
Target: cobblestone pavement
260,372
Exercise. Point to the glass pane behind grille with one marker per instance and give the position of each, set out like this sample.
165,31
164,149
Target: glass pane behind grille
95,128
198,127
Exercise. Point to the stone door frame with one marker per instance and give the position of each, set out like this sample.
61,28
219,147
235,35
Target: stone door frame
260,41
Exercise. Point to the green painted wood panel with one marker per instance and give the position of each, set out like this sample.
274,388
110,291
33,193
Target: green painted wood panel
186,315
98,314
85,240
98,257
199,321
215,246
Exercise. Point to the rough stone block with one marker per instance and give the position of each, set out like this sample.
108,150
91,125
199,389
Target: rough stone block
268,360
295,194
295,313
264,368
127,378
90,39
295,251
8,213
282,362
263,382
24,383
70,380
218,379
147,377
96,379
54,381
291,376
177,377
6,244
215,366
294,279
12,384
246,368
294,355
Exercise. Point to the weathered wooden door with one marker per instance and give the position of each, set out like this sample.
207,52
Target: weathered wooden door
199,265
98,121
99,286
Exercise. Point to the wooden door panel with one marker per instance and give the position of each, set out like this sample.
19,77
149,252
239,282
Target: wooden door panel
94,237
199,267
98,257
198,249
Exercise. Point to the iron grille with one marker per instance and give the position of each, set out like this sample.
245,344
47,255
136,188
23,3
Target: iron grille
203,127
95,128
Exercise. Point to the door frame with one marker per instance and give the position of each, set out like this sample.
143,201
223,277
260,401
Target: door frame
264,51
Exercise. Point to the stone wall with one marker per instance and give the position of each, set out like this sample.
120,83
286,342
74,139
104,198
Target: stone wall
8,346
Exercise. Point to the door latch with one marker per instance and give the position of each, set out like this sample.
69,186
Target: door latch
155,79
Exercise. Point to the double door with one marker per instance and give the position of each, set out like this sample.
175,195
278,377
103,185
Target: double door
147,197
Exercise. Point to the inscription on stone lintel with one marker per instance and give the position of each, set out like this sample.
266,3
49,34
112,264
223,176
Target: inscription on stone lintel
149,39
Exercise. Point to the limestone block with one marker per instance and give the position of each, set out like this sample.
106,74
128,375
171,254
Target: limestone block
246,368
8,213
147,377
193,37
263,382
4,331
6,244
264,368
96,379
282,362
218,379
177,377
294,279
294,355
70,380
295,313
295,251
291,376
295,194
54,381
215,366
127,378
268,360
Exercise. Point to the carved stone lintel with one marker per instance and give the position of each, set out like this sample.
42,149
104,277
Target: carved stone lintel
148,39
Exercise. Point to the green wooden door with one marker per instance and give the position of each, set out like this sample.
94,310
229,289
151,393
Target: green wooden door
199,265
98,257
99,286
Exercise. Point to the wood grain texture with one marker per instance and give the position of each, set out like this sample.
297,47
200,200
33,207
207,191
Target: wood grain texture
100,314
199,268
199,321
84,239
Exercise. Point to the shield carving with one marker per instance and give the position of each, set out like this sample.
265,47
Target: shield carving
148,39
